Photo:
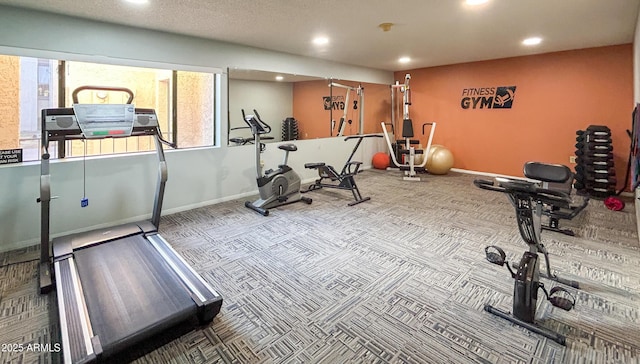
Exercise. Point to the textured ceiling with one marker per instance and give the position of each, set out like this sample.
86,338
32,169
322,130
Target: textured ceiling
431,32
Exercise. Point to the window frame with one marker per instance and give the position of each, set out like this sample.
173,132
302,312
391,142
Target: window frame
62,57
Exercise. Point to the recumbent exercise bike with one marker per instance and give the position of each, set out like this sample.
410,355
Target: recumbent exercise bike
345,179
279,186
528,199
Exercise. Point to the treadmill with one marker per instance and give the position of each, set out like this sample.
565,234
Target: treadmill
120,285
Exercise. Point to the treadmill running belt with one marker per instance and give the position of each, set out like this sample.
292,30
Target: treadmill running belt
130,292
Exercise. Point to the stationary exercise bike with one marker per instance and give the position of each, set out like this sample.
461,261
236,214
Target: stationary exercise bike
279,186
528,200
330,178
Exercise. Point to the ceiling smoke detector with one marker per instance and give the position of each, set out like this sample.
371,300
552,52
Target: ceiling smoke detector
385,26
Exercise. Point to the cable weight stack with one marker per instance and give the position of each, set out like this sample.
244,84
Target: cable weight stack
595,172
289,129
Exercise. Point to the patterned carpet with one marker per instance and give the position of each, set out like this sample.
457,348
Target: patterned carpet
399,279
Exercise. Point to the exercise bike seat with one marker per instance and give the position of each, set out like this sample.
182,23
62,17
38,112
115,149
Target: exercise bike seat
545,172
314,165
240,140
288,147
558,178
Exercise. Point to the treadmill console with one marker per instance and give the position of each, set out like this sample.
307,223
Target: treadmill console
64,121
99,121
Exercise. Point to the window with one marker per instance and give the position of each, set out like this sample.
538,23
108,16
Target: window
184,101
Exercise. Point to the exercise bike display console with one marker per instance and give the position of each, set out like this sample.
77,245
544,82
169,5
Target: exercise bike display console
528,199
277,187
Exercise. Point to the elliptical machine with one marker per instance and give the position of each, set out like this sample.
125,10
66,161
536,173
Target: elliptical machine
277,187
528,200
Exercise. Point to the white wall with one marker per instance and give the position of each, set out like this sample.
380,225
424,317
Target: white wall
273,100
121,188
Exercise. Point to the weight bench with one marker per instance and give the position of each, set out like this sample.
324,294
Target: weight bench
549,175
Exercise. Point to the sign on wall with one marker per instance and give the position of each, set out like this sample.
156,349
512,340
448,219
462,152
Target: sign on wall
9,156
500,97
336,104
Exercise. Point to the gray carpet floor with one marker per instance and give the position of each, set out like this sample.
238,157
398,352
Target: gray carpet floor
398,279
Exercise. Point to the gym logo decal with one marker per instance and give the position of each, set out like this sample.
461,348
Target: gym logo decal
336,104
500,97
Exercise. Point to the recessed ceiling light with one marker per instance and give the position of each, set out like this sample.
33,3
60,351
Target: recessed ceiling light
320,40
404,60
279,78
532,41
138,1
476,2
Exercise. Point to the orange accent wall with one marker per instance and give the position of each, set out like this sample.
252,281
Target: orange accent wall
557,94
315,122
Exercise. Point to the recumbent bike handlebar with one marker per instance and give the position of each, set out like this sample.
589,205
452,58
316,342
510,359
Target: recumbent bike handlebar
511,186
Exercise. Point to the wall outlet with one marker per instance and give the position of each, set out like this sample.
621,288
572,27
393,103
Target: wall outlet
572,159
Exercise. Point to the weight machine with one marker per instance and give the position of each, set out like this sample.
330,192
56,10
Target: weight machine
343,120
405,147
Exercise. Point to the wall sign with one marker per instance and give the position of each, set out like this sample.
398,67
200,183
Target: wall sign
500,97
10,156
336,104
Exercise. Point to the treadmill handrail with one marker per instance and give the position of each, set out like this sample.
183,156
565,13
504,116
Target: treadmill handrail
74,95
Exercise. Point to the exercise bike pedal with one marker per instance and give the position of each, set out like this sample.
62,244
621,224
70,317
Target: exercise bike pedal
561,302
495,258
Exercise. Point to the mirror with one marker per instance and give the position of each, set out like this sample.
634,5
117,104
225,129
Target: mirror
316,104
270,93
348,108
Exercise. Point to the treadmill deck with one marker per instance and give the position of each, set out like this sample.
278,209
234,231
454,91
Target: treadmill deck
130,292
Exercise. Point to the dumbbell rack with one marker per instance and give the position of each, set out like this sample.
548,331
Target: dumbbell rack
595,172
289,129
